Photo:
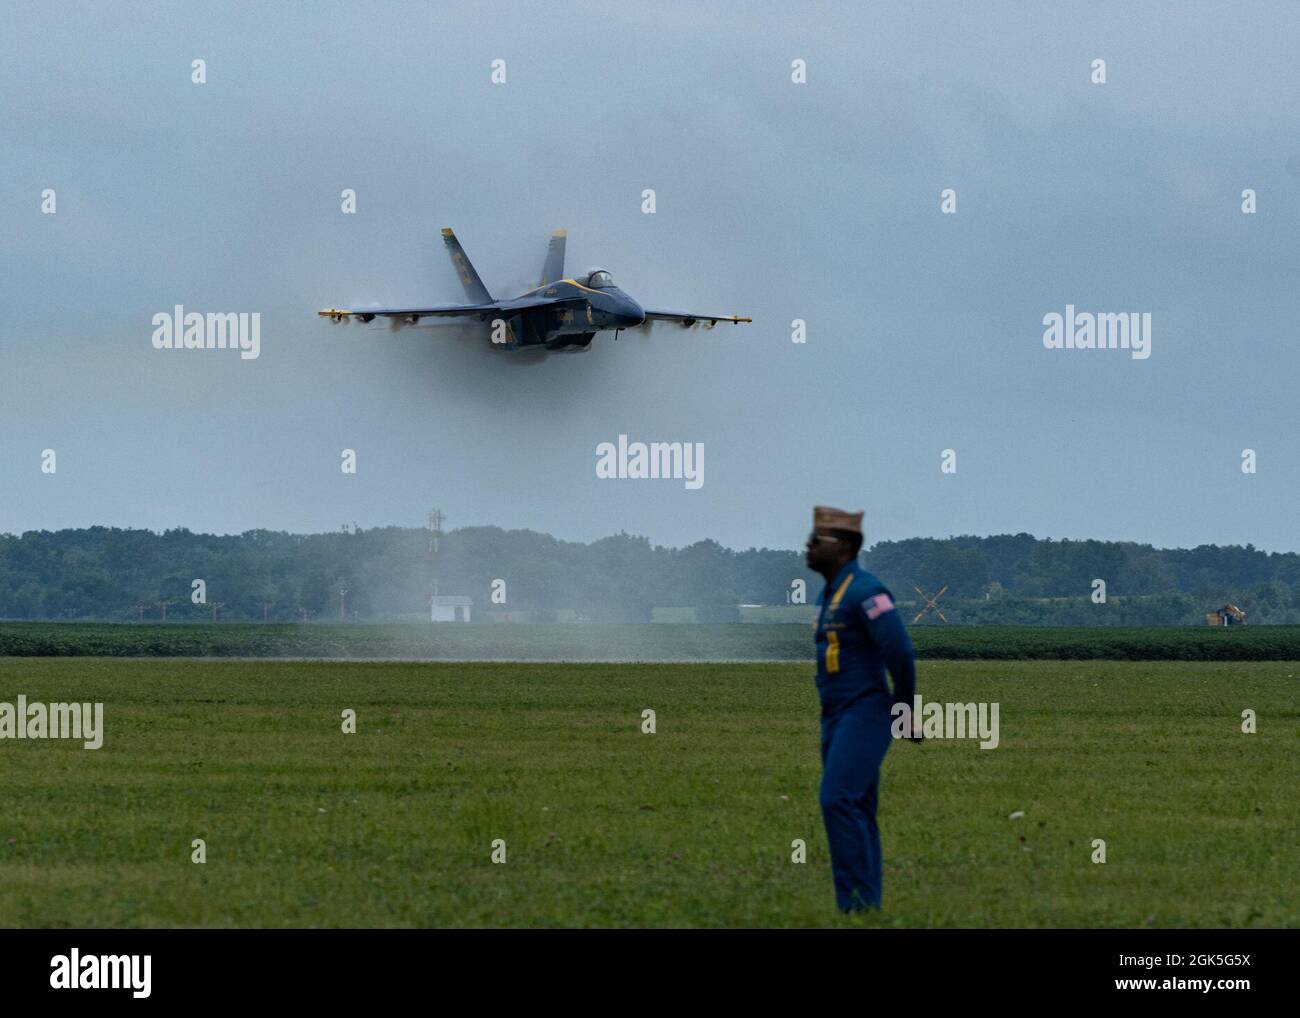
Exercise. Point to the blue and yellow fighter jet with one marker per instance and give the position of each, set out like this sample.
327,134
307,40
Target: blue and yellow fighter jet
559,314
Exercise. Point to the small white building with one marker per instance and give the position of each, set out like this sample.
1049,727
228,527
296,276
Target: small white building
450,608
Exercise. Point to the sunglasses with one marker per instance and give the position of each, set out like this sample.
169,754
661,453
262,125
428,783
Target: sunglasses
815,537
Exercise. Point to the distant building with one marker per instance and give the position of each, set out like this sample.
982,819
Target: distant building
450,608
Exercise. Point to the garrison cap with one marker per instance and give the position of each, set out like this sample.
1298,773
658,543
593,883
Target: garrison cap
826,518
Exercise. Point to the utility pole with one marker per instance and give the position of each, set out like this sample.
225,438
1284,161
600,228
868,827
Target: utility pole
139,612
163,606
343,594
216,606
265,607
435,536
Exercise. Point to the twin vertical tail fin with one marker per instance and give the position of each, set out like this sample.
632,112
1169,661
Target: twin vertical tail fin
474,288
553,268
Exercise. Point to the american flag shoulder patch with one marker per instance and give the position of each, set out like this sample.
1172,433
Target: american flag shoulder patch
878,605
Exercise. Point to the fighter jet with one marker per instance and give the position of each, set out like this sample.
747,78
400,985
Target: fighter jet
559,314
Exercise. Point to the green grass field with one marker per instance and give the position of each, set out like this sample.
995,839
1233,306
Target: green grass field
651,642
606,826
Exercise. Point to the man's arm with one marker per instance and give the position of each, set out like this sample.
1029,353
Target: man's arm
888,632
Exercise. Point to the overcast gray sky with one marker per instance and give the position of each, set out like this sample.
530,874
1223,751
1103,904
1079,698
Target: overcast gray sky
817,201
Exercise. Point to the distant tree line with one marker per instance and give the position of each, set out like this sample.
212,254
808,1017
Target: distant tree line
388,573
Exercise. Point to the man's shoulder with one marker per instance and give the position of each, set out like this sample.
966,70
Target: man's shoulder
868,584
871,596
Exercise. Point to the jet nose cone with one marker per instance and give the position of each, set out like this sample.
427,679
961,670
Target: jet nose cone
632,314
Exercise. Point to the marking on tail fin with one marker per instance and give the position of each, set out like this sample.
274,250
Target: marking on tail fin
474,288
553,268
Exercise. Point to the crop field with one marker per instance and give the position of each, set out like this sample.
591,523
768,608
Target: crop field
602,824
630,642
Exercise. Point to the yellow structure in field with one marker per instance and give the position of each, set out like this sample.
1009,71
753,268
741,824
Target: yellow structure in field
1228,615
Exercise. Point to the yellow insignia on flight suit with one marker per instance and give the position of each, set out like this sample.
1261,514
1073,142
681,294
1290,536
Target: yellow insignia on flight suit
833,638
832,653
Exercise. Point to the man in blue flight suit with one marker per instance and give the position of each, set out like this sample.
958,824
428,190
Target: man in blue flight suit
859,634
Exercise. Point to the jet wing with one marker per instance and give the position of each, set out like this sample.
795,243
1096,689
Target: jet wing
444,310
503,308
687,319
